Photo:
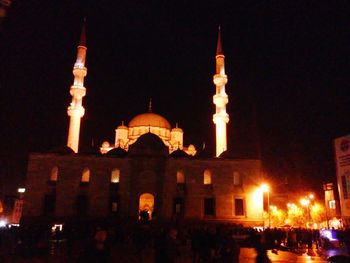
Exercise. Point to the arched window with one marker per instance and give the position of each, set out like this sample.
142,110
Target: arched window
115,176
180,177
54,174
237,179
85,177
146,205
239,206
207,178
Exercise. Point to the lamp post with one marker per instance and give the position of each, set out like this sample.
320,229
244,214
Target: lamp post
266,189
306,202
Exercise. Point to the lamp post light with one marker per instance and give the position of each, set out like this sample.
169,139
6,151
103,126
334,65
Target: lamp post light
306,202
266,189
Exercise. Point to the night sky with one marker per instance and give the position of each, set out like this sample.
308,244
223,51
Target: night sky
287,64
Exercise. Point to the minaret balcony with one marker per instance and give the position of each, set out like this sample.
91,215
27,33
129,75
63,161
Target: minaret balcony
220,100
220,117
78,112
77,91
220,79
79,70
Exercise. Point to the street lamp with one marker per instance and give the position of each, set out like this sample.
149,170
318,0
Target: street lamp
306,202
266,189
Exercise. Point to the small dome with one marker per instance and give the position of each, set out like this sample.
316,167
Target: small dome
206,153
105,144
191,147
179,154
90,150
118,152
62,150
149,119
148,144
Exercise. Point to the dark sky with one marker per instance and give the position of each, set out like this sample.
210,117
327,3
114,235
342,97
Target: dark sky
287,64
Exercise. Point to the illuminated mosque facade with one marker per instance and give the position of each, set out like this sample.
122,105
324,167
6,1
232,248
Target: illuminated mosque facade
147,168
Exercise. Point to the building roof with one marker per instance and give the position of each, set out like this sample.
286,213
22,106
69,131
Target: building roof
148,144
149,119
62,150
118,152
179,154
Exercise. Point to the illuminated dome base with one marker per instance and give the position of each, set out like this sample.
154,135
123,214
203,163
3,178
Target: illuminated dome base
144,123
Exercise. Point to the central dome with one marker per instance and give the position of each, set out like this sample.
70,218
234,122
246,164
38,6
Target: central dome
149,119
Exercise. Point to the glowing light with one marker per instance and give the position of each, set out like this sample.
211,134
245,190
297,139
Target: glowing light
273,208
304,202
57,226
207,177
3,223
257,197
290,205
335,223
328,234
21,190
115,176
265,188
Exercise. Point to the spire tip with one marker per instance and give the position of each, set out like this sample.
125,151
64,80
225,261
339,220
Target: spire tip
219,50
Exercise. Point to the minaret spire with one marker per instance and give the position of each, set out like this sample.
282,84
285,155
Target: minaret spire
220,99
83,34
76,110
150,105
219,50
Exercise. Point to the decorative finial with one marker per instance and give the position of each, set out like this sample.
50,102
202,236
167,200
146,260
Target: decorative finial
176,125
122,123
150,105
219,50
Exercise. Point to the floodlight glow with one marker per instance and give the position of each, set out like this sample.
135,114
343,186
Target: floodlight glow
328,234
265,188
3,223
305,202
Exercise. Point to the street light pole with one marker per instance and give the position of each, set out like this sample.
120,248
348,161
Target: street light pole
306,202
268,207
266,189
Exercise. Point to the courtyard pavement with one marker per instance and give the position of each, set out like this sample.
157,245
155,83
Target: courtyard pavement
126,253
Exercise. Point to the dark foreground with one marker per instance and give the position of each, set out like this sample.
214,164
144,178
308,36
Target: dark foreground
143,242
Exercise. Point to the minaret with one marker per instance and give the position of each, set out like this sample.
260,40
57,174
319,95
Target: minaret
220,100
77,90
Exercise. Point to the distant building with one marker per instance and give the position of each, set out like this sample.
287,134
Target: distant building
342,157
146,170
331,202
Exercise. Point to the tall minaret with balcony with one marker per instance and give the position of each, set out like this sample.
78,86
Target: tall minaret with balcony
220,100
77,91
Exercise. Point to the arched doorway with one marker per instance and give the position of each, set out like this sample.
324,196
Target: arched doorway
146,205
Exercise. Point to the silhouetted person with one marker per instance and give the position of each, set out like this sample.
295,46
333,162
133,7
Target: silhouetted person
261,248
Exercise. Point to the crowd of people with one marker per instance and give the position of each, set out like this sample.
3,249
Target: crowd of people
94,242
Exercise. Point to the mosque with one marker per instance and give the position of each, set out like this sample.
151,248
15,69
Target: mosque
147,169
